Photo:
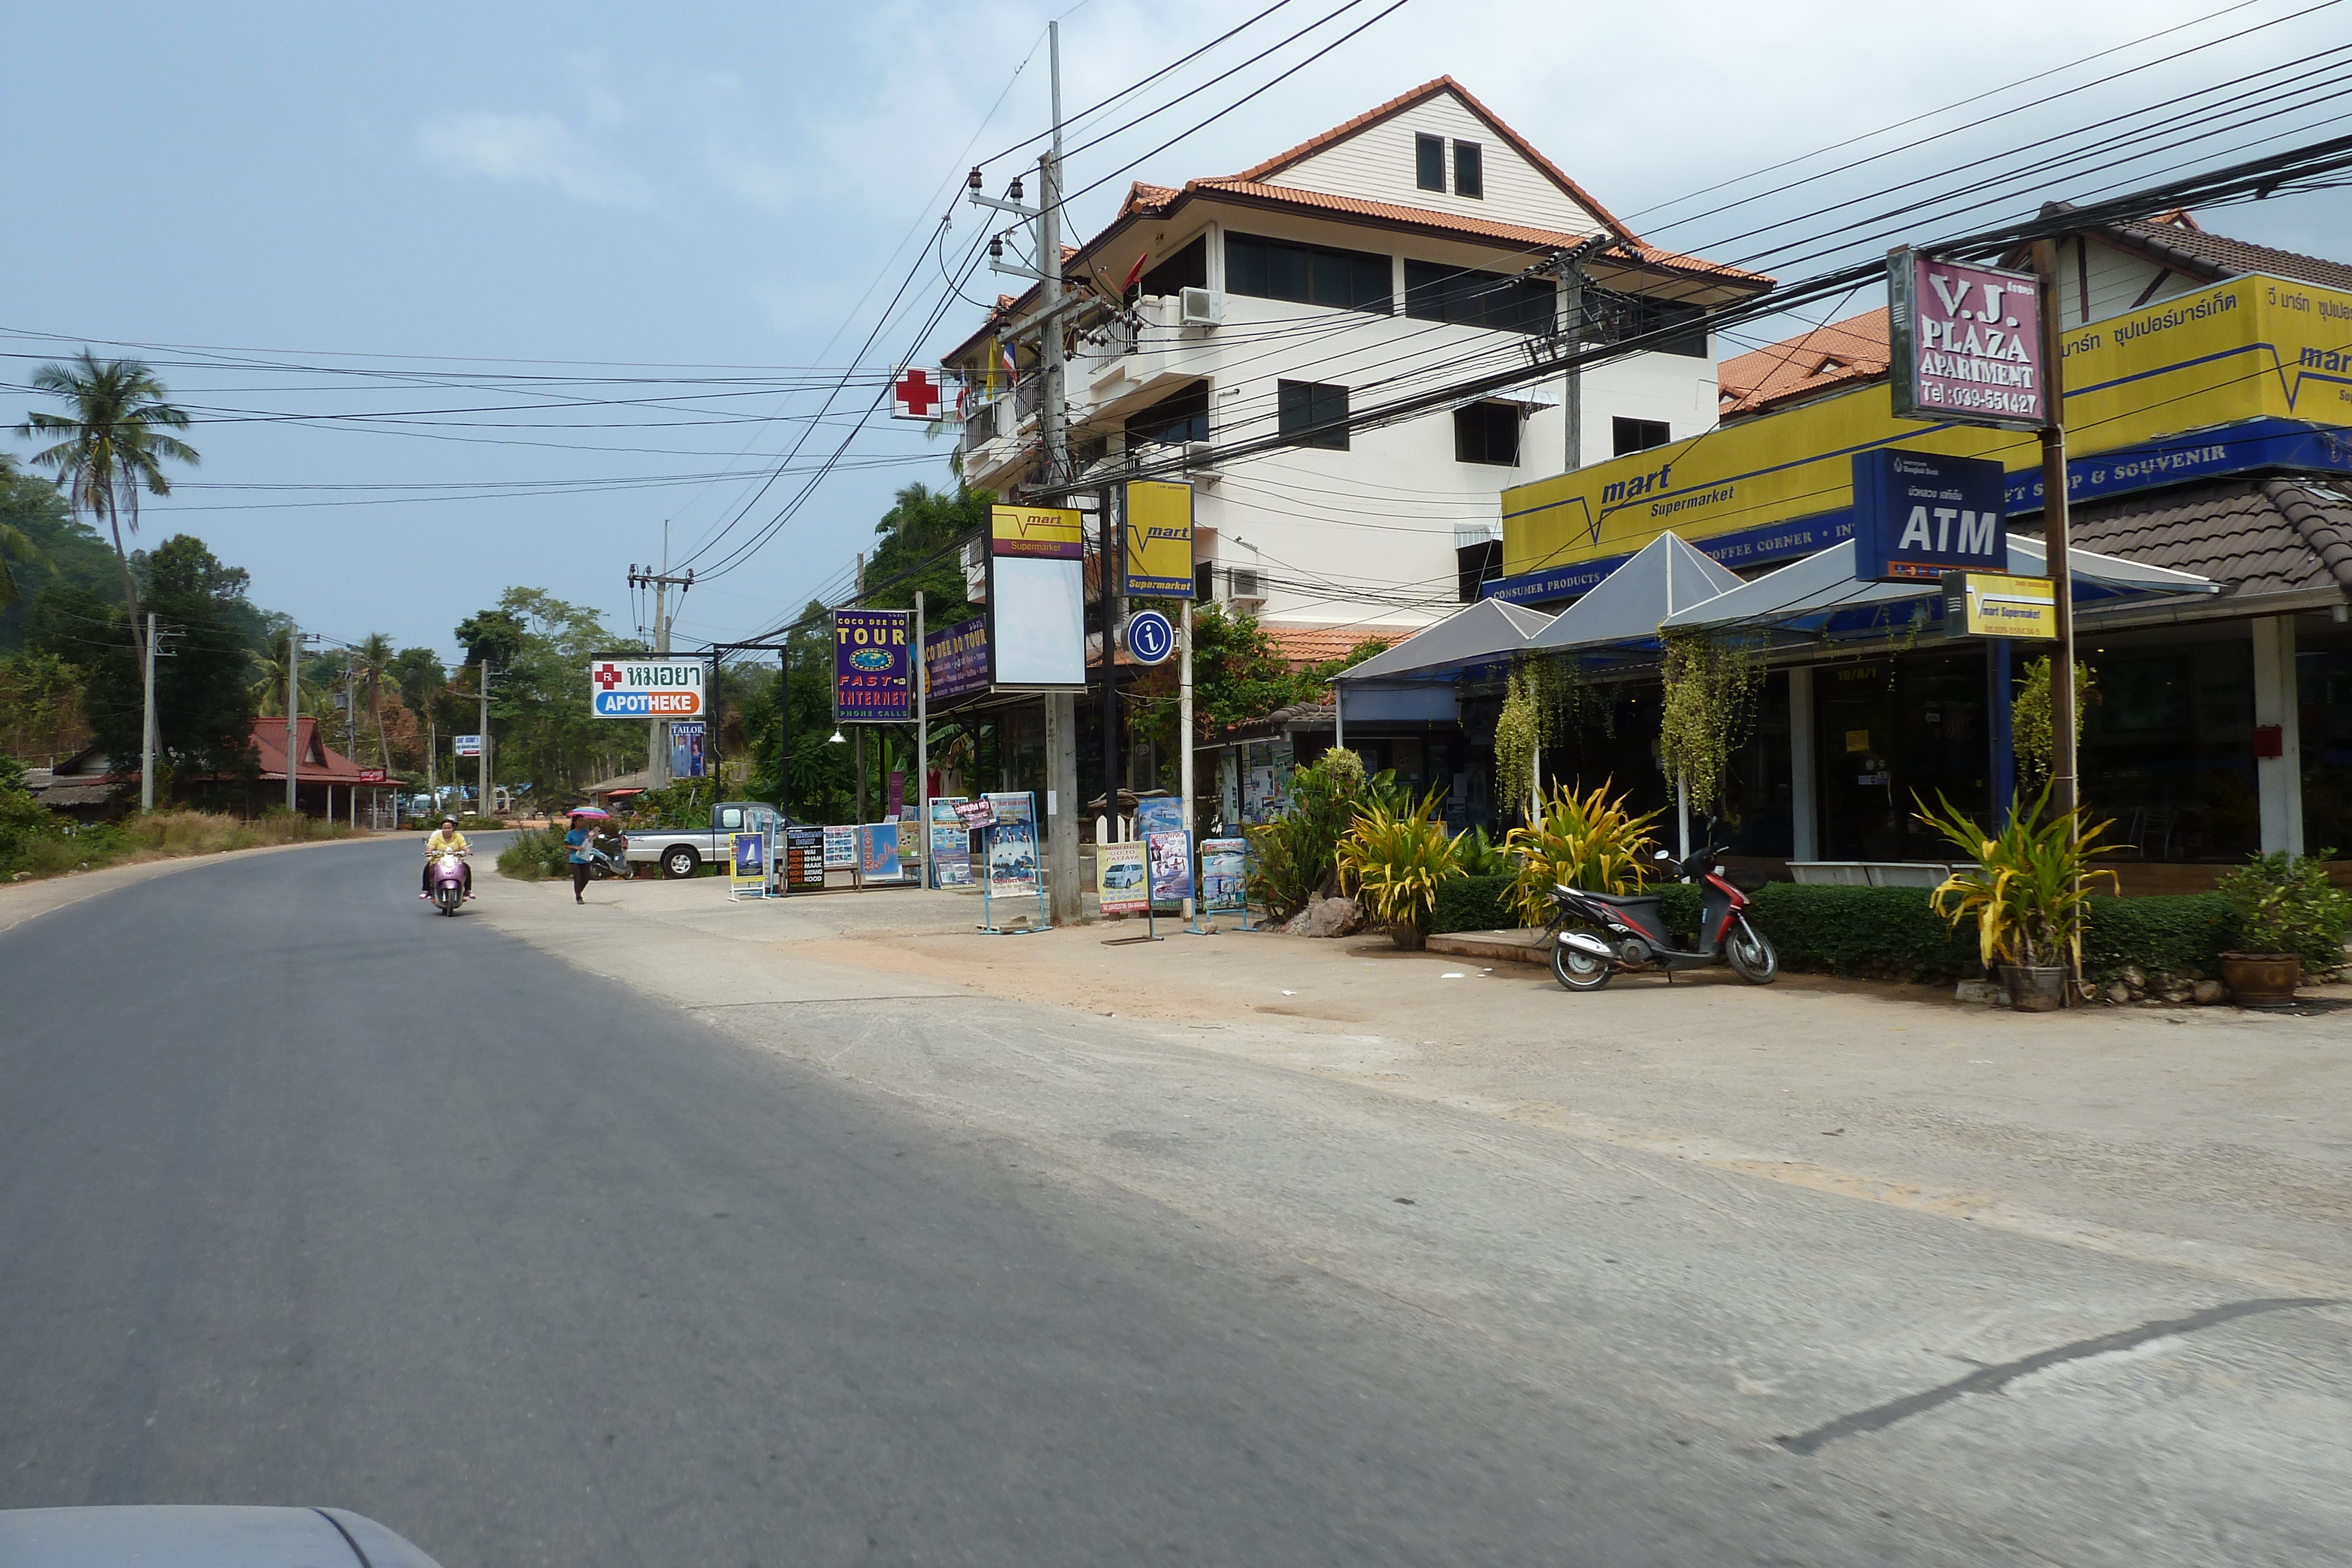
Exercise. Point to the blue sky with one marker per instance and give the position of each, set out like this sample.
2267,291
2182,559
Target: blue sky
421,212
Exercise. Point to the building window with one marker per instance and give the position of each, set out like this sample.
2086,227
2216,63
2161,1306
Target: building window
1429,163
1469,170
1435,293
1639,435
1655,315
1188,268
1179,417
1307,404
1205,581
1475,564
1487,432
1306,274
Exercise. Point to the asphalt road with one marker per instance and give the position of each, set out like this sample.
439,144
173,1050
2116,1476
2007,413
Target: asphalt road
308,1196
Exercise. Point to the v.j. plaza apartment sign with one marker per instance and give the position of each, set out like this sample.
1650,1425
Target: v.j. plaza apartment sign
1967,343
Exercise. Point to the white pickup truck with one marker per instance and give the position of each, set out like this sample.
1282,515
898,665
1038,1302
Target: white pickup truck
681,851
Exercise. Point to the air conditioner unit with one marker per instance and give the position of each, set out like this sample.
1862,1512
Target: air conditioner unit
1200,455
1245,586
1202,308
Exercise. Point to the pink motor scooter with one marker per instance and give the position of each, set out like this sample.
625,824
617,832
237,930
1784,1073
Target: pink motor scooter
446,881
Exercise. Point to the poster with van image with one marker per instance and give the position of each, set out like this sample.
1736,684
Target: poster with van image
1120,879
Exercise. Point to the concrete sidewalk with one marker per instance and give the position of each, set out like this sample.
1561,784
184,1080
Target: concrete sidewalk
2209,1138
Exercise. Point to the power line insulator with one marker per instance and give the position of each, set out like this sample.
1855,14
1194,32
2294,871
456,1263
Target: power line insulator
996,247
972,180
1015,191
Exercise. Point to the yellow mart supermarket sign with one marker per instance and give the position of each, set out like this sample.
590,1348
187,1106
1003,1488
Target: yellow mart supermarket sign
1995,604
2253,372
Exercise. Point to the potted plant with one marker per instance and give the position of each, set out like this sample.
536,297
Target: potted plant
2029,891
1396,856
2289,918
1593,841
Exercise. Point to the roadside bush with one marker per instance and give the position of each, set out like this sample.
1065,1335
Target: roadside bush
1474,903
1295,855
1880,933
537,854
50,846
2182,934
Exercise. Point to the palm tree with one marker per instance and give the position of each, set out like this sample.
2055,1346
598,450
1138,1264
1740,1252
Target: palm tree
374,655
14,544
115,444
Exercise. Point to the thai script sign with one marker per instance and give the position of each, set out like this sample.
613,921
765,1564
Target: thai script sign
955,659
2230,379
1159,539
872,682
1919,514
1966,343
637,687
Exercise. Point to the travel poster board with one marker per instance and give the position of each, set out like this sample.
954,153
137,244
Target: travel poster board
1159,814
1169,860
1224,876
976,814
877,853
804,860
841,848
1012,845
1120,880
950,843
746,865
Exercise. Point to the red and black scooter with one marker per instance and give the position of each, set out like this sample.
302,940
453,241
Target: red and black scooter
1594,936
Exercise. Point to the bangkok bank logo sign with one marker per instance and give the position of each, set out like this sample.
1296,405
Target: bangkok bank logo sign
629,688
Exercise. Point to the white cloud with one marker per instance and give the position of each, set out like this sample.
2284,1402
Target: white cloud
530,149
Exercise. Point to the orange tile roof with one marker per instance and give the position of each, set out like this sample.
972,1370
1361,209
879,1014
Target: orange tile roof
1305,645
1835,354
1422,94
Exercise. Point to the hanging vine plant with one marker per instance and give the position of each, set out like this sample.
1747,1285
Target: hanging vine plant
1518,730
1710,701
2029,723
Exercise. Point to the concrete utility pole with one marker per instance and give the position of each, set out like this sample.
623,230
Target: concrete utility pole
661,583
482,804
1113,561
293,703
2063,788
147,725
1062,707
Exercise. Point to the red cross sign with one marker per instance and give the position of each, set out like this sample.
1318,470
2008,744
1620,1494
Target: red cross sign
607,676
915,395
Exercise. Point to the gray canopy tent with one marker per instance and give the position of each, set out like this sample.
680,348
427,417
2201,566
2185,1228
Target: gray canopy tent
1414,680
1624,609
1820,599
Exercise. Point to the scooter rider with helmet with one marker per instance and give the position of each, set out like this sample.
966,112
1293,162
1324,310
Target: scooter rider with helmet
447,840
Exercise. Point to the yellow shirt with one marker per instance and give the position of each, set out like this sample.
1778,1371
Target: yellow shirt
440,842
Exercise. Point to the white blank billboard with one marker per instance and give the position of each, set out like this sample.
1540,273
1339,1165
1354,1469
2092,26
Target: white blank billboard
1037,623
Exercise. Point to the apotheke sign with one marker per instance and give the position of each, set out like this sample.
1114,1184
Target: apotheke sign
1966,343
630,688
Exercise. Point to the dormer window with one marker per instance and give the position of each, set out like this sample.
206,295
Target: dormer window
1429,163
1469,170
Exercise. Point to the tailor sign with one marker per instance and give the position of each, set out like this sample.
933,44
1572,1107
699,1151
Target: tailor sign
627,687
1919,514
1966,343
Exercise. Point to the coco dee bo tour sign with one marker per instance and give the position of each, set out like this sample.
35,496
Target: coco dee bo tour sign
1967,343
872,671
633,688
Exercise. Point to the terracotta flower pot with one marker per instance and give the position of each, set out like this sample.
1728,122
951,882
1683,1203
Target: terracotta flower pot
2034,990
2262,980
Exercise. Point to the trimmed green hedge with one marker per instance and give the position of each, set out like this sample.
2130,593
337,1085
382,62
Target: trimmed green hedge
1891,932
1473,904
2178,934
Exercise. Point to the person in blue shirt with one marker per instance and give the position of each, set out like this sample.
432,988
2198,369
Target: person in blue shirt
577,841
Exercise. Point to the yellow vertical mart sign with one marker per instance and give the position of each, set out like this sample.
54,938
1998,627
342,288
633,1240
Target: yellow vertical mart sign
1159,539
1994,604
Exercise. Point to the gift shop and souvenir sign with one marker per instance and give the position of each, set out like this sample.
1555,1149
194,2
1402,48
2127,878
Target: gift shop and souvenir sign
872,666
2246,376
627,688
1966,341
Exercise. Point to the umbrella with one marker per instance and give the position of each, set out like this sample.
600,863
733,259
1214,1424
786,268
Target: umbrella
593,813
